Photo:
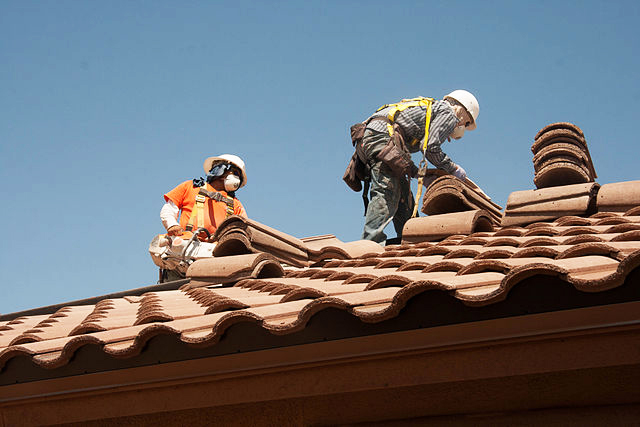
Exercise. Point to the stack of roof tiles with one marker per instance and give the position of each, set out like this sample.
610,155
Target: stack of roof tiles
564,176
447,194
561,156
237,236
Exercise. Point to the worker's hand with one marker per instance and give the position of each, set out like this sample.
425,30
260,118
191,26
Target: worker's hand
175,230
460,173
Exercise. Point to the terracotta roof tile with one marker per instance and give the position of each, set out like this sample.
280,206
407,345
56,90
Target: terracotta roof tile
448,194
59,324
619,197
233,268
530,206
337,249
560,125
237,235
561,171
435,227
562,152
108,314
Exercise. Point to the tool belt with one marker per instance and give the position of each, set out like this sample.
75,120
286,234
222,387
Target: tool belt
396,156
358,173
358,169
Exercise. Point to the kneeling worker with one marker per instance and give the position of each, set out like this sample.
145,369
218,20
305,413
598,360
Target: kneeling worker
187,209
402,125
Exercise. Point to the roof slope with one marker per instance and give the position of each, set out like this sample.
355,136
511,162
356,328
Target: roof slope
589,255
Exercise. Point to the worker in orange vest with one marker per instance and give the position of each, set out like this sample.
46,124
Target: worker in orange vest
225,175
204,202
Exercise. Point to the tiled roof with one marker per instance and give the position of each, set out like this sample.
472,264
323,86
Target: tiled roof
567,246
591,254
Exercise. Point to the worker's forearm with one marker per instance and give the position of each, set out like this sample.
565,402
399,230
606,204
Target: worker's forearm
169,214
440,160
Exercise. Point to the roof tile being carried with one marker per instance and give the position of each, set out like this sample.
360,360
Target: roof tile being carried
448,194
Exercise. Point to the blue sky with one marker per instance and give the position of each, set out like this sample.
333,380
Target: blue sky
106,106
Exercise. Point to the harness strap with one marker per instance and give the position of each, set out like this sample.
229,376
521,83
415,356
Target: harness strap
219,198
197,214
427,122
403,105
198,210
423,164
365,194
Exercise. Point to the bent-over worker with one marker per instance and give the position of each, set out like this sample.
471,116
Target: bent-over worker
391,197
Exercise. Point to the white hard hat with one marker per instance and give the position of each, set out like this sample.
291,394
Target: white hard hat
227,158
469,102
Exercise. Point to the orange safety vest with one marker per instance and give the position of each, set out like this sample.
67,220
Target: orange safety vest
198,210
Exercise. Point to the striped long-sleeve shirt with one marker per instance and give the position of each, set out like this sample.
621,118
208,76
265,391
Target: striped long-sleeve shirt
412,121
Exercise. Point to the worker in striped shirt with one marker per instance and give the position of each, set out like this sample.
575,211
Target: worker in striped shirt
391,197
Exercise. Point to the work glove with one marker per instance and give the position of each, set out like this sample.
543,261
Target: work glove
175,230
460,173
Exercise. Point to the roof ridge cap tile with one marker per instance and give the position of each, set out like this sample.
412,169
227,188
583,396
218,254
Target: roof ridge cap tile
435,227
619,196
232,268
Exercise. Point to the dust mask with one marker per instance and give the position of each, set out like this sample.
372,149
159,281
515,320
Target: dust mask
458,132
231,183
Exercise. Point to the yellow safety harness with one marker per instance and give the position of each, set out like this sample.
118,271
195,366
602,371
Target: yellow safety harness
401,106
197,215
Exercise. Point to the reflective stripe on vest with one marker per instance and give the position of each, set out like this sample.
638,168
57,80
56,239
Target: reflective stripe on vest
403,105
197,213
